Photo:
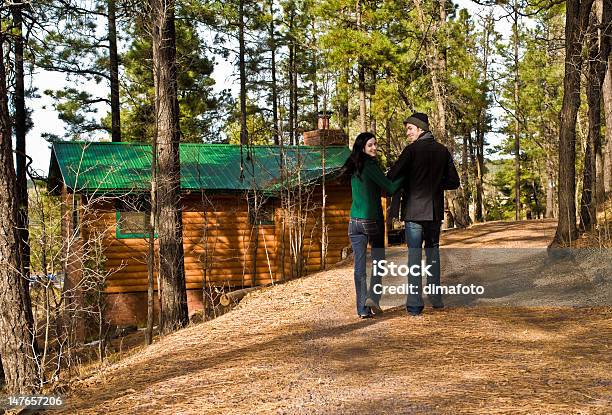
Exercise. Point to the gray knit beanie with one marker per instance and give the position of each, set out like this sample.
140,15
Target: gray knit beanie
419,119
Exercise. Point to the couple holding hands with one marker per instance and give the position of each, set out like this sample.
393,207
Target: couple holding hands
423,171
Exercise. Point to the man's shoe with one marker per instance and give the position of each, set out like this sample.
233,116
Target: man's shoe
373,306
364,316
414,311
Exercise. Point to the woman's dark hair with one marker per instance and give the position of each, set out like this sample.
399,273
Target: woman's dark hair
354,163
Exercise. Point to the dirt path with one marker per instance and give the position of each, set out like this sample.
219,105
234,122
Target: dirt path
521,234
298,348
510,260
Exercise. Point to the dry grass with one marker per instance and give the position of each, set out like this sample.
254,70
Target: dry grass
298,348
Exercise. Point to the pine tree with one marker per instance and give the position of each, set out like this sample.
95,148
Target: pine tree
576,22
169,222
16,338
85,52
199,106
598,44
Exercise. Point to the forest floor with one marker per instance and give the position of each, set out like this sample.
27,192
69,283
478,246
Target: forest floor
537,342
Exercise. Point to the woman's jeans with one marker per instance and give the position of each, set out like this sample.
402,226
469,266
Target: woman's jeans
362,231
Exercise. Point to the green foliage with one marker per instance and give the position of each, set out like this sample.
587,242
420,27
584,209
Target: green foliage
500,203
77,109
467,95
259,127
330,41
197,103
78,47
387,46
44,216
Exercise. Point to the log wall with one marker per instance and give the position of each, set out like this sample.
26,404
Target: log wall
72,246
216,240
219,242
219,245
338,206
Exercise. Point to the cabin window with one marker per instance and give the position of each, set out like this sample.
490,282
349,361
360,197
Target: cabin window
132,218
264,215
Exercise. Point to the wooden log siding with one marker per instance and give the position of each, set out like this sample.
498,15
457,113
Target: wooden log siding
219,239
337,210
72,246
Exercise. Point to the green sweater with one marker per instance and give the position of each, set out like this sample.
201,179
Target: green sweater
367,191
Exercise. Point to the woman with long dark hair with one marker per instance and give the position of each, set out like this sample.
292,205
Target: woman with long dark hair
366,224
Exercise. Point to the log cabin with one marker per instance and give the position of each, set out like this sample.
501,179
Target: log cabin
251,216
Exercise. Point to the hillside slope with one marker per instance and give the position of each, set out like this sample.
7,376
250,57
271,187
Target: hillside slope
298,348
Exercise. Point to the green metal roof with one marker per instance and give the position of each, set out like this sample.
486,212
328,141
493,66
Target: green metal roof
87,167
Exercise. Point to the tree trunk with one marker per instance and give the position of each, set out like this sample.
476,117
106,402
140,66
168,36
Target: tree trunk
363,122
587,205
343,101
390,210
372,92
607,100
478,174
517,125
472,167
276,132
254,237
290,75
244,138
114,72
315,83
16,339
577,13
465,168
296,138
599,50
480,131
604,20
153,213
21,168
169,221
449,218
388,126
457,199
150,284
234,297
550,189
536,199
324,235
361,84
291,93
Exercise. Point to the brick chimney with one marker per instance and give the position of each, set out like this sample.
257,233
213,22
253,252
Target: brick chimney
323,135
323,122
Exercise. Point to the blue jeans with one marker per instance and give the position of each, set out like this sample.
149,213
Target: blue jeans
362,231
416,234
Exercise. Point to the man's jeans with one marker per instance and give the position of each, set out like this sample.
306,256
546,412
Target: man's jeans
362,231
416,234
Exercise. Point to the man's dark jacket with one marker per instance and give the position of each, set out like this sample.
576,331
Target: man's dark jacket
429,170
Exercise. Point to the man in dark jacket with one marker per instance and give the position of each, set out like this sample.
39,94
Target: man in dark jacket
428,169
